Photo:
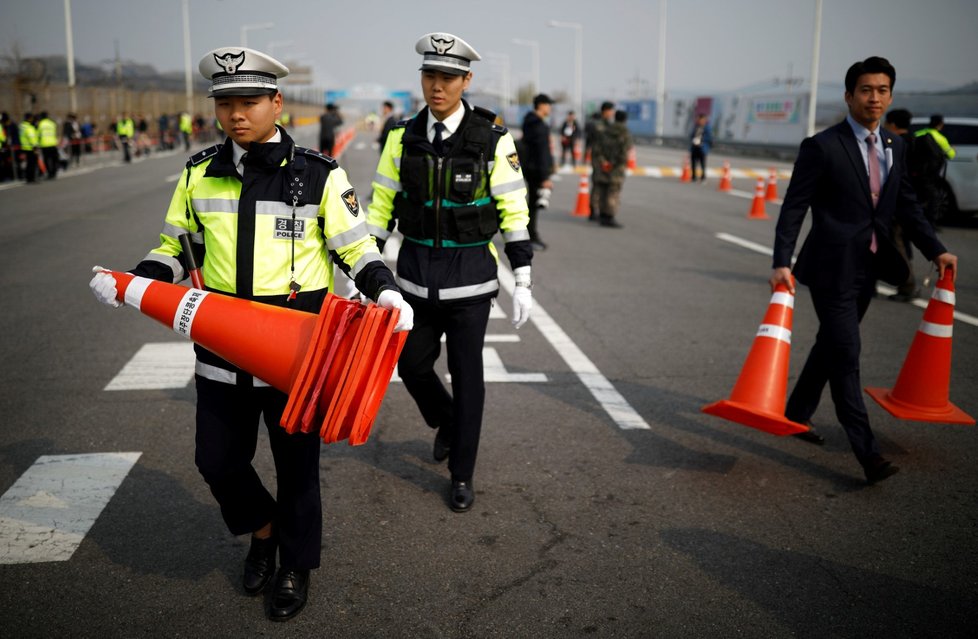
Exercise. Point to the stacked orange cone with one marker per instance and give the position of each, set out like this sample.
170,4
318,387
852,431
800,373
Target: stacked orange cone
758,397
335,366
757,207
583,207
725,182
772,186
687,175
923,386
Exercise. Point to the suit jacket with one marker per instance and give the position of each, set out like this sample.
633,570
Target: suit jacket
830,176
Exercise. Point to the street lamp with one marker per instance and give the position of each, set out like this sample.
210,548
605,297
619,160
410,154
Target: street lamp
578,59
535,46
70,46
279,44
245,28
660,81
187,67
812,99
505,80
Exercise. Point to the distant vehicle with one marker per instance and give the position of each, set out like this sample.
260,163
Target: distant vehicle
961,176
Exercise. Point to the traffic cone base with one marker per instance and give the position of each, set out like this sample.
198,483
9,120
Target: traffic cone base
922,388
948,414
758,396
583,206
754,417
335,366
725,182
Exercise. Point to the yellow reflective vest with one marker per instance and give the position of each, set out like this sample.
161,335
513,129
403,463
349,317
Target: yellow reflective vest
47,133
28,136
125,128
942,142
437,265
248,232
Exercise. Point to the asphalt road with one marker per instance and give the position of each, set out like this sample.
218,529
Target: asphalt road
691,527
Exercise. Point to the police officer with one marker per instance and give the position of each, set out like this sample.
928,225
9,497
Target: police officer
47,140
28,142
450,179
269,217
125,128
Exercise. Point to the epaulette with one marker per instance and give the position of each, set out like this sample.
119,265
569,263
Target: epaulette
201,156
313,153
486,114
400,124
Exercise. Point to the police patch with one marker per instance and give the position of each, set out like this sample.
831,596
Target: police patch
514,161
287,229
352,203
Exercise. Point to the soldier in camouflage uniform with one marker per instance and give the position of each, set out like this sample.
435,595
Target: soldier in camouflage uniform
609,158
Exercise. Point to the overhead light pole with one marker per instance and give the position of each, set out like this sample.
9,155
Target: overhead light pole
188,73
813,91
660,81
578,60
70,58
535,48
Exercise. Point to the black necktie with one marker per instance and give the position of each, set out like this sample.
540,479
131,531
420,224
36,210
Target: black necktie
437,141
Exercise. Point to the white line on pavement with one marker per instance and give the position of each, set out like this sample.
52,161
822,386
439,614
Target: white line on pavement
610,399
883,289
48,511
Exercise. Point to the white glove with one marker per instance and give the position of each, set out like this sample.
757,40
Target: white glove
522,298
392,299
103,286
522,303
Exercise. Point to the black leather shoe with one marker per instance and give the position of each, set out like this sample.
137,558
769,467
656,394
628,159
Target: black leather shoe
610,223
878,469
291,592
441,448
811,436
259,565
462,496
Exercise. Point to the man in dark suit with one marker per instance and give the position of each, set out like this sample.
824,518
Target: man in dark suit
853,176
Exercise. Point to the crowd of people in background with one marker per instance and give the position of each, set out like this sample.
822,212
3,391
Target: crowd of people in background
37,147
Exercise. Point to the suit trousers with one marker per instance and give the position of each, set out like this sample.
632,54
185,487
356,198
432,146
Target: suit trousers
459,414
834,359
227,437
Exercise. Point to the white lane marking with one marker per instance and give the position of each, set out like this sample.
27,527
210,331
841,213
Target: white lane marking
494,370
46,514
610,399
156,367
881,288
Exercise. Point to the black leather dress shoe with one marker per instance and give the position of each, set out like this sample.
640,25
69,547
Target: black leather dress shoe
462,496
878,469
259,565
291,592
441,448
811,436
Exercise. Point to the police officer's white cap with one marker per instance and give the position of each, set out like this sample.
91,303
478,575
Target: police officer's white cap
241,71
446,53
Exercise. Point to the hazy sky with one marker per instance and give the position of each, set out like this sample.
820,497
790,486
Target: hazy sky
712,45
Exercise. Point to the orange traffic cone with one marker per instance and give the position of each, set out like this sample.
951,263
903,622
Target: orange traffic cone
687,175
758,397
772,186
583,207
725,182
757,207
922,388
632,163
291,350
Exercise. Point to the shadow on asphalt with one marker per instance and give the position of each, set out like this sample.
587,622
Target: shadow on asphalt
816,597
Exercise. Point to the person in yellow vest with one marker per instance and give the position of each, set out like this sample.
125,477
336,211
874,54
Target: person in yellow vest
28,142
186,129
267,238
125,128
931,151
47,140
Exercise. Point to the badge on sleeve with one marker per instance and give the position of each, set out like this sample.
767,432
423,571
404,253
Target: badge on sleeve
350,199
514,161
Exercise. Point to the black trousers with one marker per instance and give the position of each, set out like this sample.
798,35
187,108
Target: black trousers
834,359
227,437
51,160
697,156
30,166
459,414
